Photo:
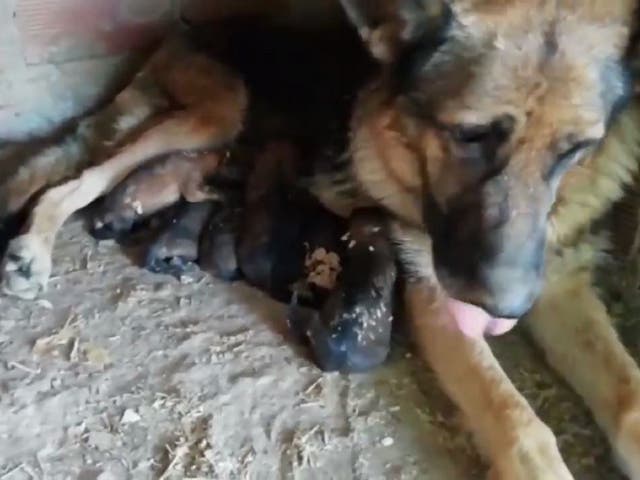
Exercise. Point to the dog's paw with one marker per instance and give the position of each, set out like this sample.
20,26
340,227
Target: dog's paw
26,267
626,445
533,456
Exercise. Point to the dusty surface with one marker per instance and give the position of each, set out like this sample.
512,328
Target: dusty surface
117,373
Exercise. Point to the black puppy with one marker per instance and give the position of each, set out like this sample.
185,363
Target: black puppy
196,230
218,247
176,249
282,223
352,330
285,242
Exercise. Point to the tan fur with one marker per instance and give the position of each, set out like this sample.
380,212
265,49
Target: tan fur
93,139
569,322
506,427
591,187
159,185
577,336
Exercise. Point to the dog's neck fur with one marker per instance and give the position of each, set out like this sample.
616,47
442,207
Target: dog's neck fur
384,164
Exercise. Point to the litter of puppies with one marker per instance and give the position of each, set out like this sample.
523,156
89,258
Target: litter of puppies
337,275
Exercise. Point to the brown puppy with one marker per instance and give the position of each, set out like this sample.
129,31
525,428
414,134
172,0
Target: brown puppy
154,187
295,249
267,187
217,252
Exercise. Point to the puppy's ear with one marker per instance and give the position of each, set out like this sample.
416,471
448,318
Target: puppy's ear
389,26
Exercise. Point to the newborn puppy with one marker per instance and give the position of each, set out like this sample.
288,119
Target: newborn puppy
352,330
282,223
340,285
217,254
176,249
153,187
270,219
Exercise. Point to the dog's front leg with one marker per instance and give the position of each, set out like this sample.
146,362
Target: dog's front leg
518,444
573,328
211,107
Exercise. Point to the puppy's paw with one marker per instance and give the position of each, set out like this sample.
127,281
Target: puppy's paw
299,319
26,267
534,455
165,261
110,230
218,255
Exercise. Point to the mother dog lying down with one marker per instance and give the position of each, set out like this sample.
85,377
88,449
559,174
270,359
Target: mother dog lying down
494,132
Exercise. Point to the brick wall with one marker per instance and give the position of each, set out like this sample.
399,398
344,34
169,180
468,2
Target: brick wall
58,57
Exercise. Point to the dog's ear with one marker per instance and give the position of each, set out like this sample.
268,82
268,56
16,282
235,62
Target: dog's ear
632,56
389,26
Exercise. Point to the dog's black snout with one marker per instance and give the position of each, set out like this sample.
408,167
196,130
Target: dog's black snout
512,304
490,247
511,277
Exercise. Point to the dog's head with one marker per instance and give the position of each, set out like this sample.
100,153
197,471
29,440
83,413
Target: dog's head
496,100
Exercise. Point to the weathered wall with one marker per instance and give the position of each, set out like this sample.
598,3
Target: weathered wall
58,57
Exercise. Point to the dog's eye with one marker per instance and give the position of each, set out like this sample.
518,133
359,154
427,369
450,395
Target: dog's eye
492,134
471,134
576,148
569,156
575,151
477,146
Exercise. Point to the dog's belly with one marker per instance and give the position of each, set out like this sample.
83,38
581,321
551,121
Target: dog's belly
303,85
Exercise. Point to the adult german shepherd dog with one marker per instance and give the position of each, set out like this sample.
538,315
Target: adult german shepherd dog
494,132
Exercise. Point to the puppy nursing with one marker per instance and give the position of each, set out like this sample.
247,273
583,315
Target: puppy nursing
177,247
352,330
218,253
340,276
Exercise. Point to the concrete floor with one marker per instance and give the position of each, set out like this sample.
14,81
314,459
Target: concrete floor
117,373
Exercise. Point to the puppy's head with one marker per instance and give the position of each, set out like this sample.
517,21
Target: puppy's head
497,101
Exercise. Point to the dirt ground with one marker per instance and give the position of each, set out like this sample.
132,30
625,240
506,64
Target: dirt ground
120,374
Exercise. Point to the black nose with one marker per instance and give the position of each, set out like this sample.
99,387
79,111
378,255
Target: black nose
513,303
510,311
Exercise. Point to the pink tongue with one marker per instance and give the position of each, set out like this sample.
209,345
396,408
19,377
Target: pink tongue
475,322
